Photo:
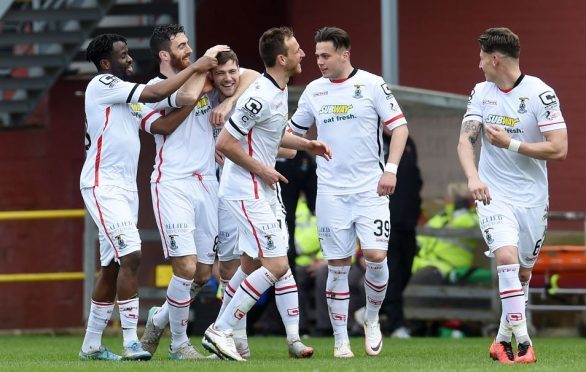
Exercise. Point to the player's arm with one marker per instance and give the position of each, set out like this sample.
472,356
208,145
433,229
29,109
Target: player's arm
163,89
220,113
167,124
388,181
469,135
313,147
285,153
555,146
192,90
229,145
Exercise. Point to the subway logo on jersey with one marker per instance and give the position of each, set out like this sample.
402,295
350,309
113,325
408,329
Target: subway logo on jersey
503,120
335,109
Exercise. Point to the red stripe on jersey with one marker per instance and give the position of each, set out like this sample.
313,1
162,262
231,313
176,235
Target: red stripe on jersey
545,125
249,286
99,151
400,116
253,230
250,152
161,159
338,81
104,223
144,120
160,220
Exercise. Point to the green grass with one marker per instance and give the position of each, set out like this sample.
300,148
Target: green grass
59,353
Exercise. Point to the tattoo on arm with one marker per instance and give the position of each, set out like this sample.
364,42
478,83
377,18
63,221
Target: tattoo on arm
473,129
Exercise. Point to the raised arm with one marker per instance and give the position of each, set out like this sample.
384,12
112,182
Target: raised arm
469,134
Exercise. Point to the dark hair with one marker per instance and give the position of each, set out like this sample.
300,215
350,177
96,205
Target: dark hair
101,48
161,38
500,39
224,57
272,43
337,36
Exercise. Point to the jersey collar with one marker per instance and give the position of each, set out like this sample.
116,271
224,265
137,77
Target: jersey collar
514,85
160,75
268,76
337,81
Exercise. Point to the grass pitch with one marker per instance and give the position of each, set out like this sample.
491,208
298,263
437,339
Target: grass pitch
59,353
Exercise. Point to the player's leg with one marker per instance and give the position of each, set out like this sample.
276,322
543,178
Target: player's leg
532,231
286,294
258,225
104,294
501,234
338,241
373,228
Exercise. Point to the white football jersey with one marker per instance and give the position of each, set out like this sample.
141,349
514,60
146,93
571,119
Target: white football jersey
189,150
113,118
349,115
525,112
258,121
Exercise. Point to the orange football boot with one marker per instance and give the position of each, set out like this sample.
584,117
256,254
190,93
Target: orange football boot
525,353
502,351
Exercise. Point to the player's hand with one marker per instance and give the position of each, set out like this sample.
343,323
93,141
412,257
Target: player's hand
479,191
213,51
219,158
220,113
497,136
387,184
318,148
270,176
204,64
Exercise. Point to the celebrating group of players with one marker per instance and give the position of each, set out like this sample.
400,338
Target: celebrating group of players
218,130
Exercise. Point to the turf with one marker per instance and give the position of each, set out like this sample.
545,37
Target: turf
59,353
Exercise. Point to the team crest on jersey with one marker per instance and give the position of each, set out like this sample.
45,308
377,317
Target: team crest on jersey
172,242
120,241
358,90
522,106
488,236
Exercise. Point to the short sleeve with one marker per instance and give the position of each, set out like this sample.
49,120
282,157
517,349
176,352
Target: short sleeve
474,108
108,89
303,117
386,105
148,117
548,111
167,103
248,112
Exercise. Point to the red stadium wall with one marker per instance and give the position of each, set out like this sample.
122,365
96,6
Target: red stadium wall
438,50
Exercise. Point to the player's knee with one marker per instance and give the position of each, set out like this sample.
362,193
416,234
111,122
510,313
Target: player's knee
374,255
524,276
131,261
226,270
184,267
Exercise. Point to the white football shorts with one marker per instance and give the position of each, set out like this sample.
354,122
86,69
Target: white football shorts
227,234
115,212
186,212
503,224
260,232
342,219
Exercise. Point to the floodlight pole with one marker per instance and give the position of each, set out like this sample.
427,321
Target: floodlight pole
187,11
390,40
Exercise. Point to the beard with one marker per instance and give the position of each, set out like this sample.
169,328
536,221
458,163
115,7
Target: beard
178,64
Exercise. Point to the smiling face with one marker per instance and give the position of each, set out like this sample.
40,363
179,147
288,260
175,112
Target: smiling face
180,51
120,61
226,78
331,62
294,56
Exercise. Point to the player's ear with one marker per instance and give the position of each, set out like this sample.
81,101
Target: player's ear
164,55
281,60
105,64
346,54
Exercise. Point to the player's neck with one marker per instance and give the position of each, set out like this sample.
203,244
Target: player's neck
345,74
509,78
167,70
280,76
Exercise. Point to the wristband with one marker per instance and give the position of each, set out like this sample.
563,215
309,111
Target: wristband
392,168
514,145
